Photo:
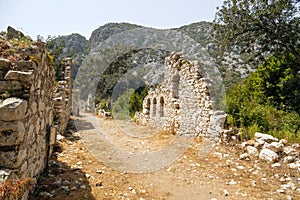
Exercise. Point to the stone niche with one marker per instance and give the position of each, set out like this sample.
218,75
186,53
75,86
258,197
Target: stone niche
182,103
26,112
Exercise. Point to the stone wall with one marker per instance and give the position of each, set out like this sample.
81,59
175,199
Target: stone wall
182,103
63,97
33,108
26,111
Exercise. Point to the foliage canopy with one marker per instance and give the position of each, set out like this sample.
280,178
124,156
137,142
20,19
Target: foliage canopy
260,26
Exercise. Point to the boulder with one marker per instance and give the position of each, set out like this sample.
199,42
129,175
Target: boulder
276,147
265,137
259,143
13,109
288,159
290,151
268,155
252,151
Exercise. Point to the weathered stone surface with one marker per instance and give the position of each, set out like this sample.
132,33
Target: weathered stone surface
276,147
13,109
288,159
26,65
181,104
259,143
18,75
268,155
4,63
244,156
265,137
290,151
13,33
11,133
10,85
9,159
252,151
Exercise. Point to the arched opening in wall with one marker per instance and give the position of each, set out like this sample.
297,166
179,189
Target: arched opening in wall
147,107
154,107
161,106
175,85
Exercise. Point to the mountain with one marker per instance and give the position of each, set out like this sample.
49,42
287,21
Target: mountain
107,30
102,59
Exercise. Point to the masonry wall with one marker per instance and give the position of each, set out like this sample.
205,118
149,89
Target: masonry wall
63,97
33,107
26,112
182,103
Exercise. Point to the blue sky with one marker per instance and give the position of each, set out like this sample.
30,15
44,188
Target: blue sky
62,17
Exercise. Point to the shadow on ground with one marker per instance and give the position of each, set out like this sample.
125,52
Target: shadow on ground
61,181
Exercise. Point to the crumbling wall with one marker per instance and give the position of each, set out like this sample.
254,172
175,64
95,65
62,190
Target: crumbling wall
26,110
63,97
30,100
182,103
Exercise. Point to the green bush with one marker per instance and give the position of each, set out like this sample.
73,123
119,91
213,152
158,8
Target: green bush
266,101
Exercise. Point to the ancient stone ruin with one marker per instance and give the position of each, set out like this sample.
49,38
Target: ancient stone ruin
63,97
32,109
26,111
182,103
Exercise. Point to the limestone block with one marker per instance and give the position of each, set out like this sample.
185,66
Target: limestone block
9,159
268,155
26,65
10,85
18,75
259,143
33,107
42,106
11,133
276,147
265,137
252,151
13,109
290,151
4,63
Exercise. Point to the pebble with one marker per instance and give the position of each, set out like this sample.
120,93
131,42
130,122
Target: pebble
46,195
99,184
226,193
281,191
275,165
240,167
232,182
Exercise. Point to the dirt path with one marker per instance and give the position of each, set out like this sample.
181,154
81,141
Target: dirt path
109,159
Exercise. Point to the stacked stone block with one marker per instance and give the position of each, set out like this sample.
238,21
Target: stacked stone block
63,97
26,112
182,103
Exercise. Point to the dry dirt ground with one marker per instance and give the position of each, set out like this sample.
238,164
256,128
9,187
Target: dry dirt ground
89,164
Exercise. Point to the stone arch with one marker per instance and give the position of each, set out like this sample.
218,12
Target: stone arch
161,106
154,105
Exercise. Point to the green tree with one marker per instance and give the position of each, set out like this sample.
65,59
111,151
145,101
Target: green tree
136,100
261,26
